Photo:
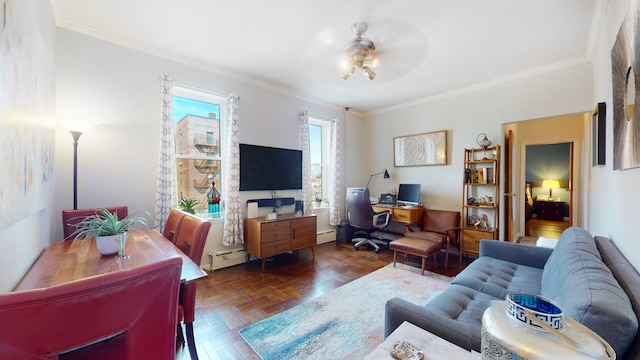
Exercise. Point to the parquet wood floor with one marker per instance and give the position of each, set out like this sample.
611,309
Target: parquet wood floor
235,297
545,228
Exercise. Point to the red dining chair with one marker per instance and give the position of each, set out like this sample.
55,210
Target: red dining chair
190,238
173,223
71,217
127,314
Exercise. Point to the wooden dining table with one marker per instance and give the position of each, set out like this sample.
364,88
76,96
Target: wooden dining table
69,260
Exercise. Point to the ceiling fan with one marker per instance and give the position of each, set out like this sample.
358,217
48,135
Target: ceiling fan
360,52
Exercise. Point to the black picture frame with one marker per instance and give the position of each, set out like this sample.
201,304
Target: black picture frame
599,134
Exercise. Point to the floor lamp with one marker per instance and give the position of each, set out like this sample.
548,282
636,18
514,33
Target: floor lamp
76,137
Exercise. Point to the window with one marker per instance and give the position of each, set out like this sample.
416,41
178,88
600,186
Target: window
319,155
198,129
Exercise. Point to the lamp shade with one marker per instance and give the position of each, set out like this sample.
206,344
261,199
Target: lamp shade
551,184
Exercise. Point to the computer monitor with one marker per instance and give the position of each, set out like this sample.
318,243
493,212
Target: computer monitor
409,194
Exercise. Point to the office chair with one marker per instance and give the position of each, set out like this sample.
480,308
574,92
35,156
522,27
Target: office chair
364,220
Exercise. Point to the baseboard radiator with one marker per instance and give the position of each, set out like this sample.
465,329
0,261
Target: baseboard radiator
225,258
326,236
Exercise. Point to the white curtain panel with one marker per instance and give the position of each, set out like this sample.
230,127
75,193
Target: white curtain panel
335,200
166,183
233,233
306,161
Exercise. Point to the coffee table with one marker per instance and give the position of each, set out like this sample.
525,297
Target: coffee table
432,346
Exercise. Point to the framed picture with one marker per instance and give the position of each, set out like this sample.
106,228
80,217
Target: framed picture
420,149
599,131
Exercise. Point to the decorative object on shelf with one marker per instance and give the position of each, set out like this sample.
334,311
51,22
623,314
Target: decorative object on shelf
109,233
483,222
626,92
188,205
599,134
213,200
551,184
533,327
360,52
420,149
484,144
385,176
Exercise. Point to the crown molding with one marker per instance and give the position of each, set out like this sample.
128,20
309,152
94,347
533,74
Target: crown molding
485,85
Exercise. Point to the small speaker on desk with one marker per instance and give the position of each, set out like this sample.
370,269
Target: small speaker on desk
252,210
299,206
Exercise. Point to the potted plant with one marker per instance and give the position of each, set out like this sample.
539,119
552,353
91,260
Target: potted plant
109,232
317,200
188,205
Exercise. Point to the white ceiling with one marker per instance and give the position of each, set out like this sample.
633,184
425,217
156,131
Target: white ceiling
427,48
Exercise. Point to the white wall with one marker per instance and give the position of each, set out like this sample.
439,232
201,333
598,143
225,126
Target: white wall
28,36
464,116
119,89
612,195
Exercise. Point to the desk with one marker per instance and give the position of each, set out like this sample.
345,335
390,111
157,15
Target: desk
408,216
68,260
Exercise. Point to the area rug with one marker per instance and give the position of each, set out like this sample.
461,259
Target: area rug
345,323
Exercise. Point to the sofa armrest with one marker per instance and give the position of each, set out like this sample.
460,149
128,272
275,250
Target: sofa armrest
398,311
515,253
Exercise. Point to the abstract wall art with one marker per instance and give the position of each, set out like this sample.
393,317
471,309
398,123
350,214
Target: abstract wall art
625,63
420,149
27,110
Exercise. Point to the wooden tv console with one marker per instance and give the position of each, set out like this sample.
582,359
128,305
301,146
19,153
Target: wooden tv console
264,238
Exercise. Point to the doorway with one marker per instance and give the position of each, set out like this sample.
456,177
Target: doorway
548,179
544,131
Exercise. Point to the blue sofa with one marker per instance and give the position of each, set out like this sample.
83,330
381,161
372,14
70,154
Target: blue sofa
587,277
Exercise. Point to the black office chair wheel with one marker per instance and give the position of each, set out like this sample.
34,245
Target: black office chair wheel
356,248
377,250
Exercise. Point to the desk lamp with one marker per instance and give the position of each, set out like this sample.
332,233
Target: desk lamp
551,184
386,176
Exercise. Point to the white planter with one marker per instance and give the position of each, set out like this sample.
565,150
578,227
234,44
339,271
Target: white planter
109,245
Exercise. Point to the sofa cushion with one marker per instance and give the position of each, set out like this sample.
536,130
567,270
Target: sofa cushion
498,278
627,276
465,305
582,285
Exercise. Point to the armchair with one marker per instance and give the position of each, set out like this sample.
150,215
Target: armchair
439,226
364,220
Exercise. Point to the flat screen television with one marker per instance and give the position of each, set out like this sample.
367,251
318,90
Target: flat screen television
409,194
269,168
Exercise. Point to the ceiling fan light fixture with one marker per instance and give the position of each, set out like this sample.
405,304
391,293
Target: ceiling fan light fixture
372,63
349,72
370,73
361,53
